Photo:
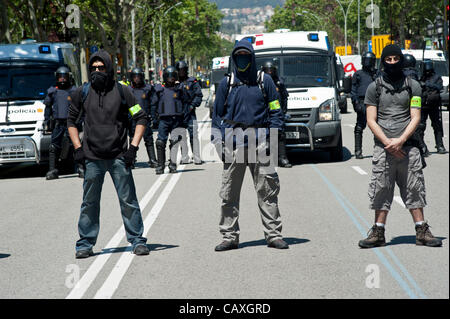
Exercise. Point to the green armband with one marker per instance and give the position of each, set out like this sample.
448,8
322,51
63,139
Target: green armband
134,109
274,105
416,101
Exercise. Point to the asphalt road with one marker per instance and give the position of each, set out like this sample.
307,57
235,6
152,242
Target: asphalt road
324,209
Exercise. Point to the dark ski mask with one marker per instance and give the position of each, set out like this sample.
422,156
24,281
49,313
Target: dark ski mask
393,71
243,62
99,80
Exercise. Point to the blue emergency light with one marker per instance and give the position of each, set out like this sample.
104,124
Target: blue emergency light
44,49
313,37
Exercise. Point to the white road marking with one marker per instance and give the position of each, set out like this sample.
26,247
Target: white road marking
359,170
399,200
89,276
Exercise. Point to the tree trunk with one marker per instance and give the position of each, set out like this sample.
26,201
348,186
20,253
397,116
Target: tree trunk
83,62
5,31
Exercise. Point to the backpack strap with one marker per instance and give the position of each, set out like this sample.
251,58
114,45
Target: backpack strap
122,94
84,95
260,81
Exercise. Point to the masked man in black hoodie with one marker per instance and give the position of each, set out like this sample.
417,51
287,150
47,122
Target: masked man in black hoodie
105,107
393,114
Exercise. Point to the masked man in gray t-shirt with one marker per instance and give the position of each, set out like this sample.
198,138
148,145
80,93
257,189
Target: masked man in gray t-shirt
393,114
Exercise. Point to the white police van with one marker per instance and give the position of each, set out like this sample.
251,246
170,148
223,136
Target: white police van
308,66
27,70
218,70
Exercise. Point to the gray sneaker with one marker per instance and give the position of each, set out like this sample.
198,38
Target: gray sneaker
227,245
424,237
375,238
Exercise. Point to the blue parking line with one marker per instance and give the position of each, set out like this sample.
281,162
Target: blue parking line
345,203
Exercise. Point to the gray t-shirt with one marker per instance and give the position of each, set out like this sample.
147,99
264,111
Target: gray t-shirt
393,114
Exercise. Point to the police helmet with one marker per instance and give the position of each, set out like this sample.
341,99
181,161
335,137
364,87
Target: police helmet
368,60
428,66
170,74
182,69
137,72
270,68
62,71
409,61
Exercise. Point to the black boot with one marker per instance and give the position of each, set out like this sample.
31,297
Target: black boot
283,161
439,143
161,155
358,144
173,151
53,155
152,162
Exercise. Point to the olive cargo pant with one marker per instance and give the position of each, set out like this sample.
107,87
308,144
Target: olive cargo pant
267,186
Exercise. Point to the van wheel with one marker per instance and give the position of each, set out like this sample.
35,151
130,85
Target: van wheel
336,153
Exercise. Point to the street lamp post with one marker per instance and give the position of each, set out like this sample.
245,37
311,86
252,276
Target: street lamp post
160,34
345,12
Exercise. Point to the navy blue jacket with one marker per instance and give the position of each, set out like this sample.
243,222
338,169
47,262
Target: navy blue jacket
168,101
143,97
281,88
57,103
246,103
360,82
412,73
192,93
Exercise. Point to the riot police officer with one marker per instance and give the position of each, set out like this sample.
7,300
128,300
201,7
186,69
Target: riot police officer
271,69
192,98
431,87
409,67
143,94
360,81
168,102
56,111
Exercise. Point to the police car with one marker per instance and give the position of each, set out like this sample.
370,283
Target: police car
308,66
27,70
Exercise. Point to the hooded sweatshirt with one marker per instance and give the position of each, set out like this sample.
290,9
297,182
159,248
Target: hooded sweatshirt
246,102
106,119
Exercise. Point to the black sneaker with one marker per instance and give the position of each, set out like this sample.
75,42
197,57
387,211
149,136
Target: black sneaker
141,250
84,253
53,174
227,245
278,244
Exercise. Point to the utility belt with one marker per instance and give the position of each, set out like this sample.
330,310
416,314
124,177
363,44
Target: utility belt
245,126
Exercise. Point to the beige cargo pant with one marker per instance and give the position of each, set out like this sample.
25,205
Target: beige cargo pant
267,186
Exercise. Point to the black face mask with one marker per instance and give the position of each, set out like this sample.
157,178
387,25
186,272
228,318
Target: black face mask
243,62
393,71
99,80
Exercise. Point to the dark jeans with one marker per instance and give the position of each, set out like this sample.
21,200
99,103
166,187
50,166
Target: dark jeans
89,223
58,133
361,119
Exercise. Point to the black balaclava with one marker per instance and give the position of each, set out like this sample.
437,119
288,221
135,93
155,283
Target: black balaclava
392,72
102,81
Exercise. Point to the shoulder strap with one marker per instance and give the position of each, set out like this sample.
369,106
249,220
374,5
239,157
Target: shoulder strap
408,86
122,94
378,87
260,81
84,95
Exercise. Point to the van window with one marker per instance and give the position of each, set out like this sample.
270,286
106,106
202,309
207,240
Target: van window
306,71
26,83
301,70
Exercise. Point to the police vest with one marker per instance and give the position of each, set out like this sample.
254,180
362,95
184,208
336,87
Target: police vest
170,101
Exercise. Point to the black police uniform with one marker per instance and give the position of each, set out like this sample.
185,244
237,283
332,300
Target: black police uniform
282,91
360,81
143,95
431,87
170,112
56,111
192,98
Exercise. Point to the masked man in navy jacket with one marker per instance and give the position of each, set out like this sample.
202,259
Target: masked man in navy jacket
247,102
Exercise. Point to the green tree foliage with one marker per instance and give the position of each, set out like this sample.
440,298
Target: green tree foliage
403,19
